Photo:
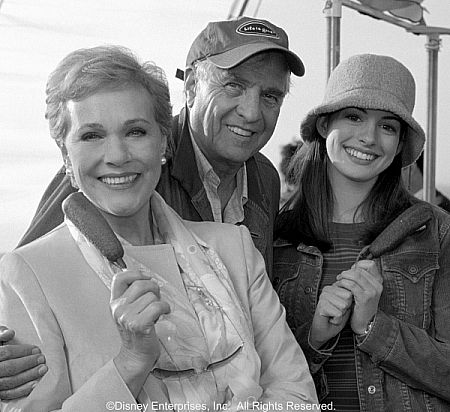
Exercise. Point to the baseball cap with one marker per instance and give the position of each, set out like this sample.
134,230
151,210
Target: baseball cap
228,43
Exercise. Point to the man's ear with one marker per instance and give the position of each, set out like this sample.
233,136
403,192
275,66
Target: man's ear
189,86
322,126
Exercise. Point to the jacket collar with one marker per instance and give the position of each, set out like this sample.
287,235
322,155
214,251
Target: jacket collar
184,157
413,219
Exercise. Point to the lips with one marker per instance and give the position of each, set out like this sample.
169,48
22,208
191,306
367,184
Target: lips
360,155
239,131
119,180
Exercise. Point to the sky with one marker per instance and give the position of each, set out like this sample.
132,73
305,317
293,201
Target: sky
36,35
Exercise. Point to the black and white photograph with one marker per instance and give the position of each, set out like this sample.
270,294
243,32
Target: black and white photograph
224,205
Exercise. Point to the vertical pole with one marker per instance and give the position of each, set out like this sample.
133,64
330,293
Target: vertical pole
244,6
429,191
333,13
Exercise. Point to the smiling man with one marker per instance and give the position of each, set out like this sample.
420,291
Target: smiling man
237,75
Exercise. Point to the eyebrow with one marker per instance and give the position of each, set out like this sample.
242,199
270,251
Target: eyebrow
137,120
272,90
387,117
93,125
275,91
100,126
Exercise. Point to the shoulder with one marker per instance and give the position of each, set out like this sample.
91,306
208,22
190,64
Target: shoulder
213,232
262,173
56,238
265,165
236,250
41,251
439,215
229,241
442,219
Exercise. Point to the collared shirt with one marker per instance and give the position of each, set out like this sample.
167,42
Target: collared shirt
234,209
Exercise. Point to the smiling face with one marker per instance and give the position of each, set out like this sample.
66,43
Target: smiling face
233,113
360,143
114,147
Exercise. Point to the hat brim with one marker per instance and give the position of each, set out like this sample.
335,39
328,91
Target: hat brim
233,57
370,100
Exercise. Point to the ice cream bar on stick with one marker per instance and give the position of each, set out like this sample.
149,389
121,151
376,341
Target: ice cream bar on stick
91,223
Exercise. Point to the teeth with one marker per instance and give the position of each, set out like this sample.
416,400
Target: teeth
119,180
360,155
240,131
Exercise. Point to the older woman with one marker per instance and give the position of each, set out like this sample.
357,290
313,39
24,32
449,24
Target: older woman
194,321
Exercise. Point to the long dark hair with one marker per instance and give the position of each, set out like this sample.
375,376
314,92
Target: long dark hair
305,217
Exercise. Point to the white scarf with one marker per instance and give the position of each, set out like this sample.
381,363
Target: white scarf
208,327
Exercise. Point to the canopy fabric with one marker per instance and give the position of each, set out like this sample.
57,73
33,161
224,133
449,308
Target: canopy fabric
411,10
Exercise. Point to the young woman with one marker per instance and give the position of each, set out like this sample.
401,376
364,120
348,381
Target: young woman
362,267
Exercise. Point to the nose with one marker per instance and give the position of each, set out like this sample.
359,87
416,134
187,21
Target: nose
249,105
115,150
368,134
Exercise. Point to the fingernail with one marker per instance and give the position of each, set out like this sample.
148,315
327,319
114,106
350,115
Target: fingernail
41,359
35,351
33,384
42,370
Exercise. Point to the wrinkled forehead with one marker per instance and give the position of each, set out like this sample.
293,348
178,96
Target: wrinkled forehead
261,60
270,67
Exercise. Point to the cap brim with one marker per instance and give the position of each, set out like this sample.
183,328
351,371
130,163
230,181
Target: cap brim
233,57
415,136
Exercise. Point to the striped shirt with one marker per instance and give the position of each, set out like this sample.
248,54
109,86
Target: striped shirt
340,368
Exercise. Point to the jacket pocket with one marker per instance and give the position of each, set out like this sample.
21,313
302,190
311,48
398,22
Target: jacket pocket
412,265
408,285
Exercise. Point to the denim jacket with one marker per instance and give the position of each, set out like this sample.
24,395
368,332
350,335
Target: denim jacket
403,364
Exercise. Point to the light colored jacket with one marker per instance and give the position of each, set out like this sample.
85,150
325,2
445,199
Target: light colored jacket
54,300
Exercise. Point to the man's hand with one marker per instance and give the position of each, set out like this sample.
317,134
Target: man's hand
21,366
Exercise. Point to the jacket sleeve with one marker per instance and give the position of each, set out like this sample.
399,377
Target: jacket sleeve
23,307
284,372
316,357
418,357
49,211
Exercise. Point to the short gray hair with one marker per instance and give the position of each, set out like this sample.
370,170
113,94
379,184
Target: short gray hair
87,71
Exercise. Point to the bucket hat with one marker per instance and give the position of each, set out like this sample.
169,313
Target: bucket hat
369,81
228,43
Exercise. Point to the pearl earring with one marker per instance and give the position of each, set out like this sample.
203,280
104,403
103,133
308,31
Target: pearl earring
69,174
163,160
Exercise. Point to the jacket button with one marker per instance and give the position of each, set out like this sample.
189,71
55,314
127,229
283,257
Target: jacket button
413,269
371,389
308,290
